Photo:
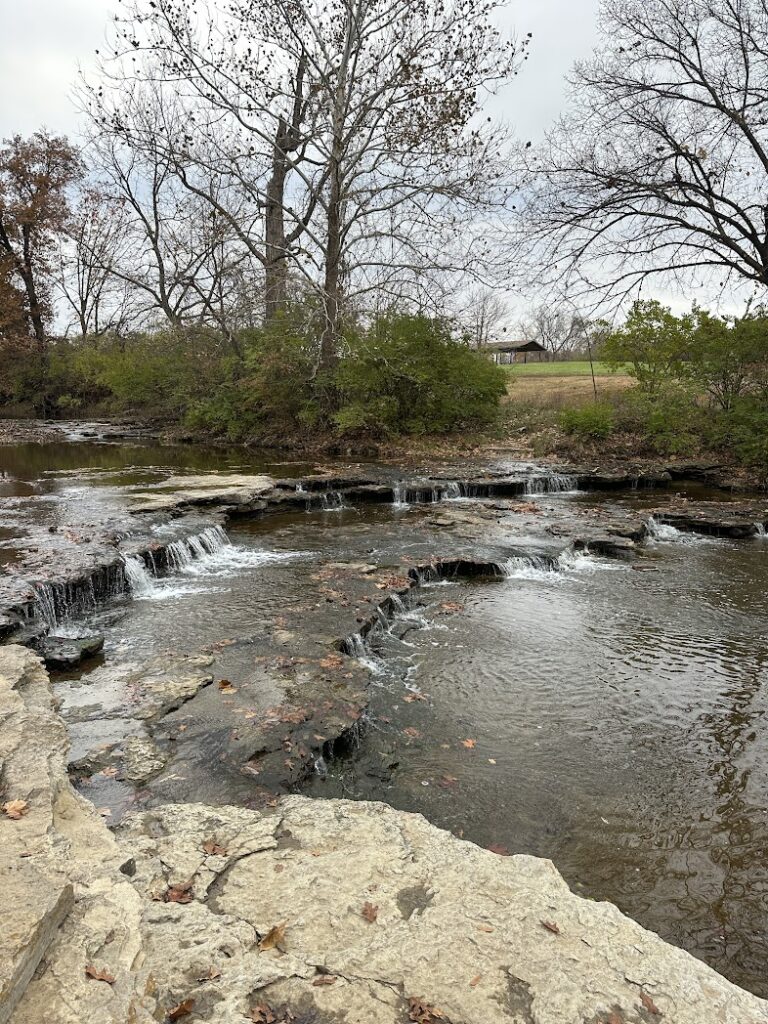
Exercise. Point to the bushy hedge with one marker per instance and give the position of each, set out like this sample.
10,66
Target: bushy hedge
400,375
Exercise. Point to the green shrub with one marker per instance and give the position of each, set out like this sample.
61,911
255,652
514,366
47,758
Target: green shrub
406,375
593,421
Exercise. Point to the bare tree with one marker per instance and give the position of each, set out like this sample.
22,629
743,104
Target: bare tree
89,254
660,170
560,330
351,126
485,315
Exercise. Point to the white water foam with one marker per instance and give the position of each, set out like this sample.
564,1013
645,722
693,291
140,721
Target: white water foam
567,563
552,483
665,534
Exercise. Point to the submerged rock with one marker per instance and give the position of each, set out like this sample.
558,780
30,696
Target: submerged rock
143,758
59,652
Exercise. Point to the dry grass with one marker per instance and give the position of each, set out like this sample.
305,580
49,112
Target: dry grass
553,392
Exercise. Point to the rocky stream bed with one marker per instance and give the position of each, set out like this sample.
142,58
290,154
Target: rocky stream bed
224,896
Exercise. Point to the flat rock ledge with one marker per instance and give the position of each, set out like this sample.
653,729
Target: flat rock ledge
312,912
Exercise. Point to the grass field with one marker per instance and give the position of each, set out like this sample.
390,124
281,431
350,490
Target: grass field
572,369
564,385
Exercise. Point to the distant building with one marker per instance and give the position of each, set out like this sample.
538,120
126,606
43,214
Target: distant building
505,352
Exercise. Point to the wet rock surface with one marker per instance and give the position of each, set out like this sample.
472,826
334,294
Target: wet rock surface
305,911
60,652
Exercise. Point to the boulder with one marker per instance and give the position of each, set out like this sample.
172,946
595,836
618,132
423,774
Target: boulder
63,653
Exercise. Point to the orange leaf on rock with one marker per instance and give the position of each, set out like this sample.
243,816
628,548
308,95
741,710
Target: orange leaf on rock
274,938
649,1004
226,687
182,1009
97,975
414,734
370,912
422,1013
469,744
179,893
212,848
15,809
500,850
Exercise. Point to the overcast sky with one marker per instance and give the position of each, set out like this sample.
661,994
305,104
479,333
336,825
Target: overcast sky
43,41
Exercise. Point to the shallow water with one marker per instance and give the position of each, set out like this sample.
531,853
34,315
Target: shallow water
613,720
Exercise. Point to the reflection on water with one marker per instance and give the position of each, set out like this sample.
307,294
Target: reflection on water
617,726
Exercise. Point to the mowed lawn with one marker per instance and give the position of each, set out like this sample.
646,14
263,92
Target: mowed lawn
563,385
570,369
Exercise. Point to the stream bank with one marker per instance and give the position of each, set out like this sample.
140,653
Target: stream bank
308,913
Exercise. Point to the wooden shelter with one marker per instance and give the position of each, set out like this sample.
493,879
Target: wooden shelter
505,352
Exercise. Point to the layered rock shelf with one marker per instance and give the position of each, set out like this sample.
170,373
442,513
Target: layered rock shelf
308,912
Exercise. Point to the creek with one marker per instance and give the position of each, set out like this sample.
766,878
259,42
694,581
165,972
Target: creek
608,715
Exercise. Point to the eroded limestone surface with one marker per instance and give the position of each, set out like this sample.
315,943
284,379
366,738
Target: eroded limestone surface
319,912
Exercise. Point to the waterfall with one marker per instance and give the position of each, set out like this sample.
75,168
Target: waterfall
660,531
140,580
399,495
552,483
452,490
760,531
45,604
300,489
182,553
333,501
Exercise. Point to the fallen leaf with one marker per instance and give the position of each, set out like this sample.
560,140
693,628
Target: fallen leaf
333,661
452,606
413,733
551,927
649,1004
212,975
413,697
226,687
500,850
491,760
475,981
423,1013
179,893
469,744
324,979
15,809
370,912
448,781
274,938
485,928
97,975
212,848
181,1010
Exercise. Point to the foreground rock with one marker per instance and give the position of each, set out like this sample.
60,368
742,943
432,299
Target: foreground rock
314,912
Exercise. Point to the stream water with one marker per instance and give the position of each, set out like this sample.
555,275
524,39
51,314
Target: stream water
611,719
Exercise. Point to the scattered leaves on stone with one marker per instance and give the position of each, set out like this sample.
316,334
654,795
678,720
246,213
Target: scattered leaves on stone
262,1013
15,809
333,661
274,938
97,975
649,1004
422,1013
370,912
181,1010
551,927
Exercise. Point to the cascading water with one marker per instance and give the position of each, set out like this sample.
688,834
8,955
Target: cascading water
182,553
760,531
333,501
552,483
140,581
